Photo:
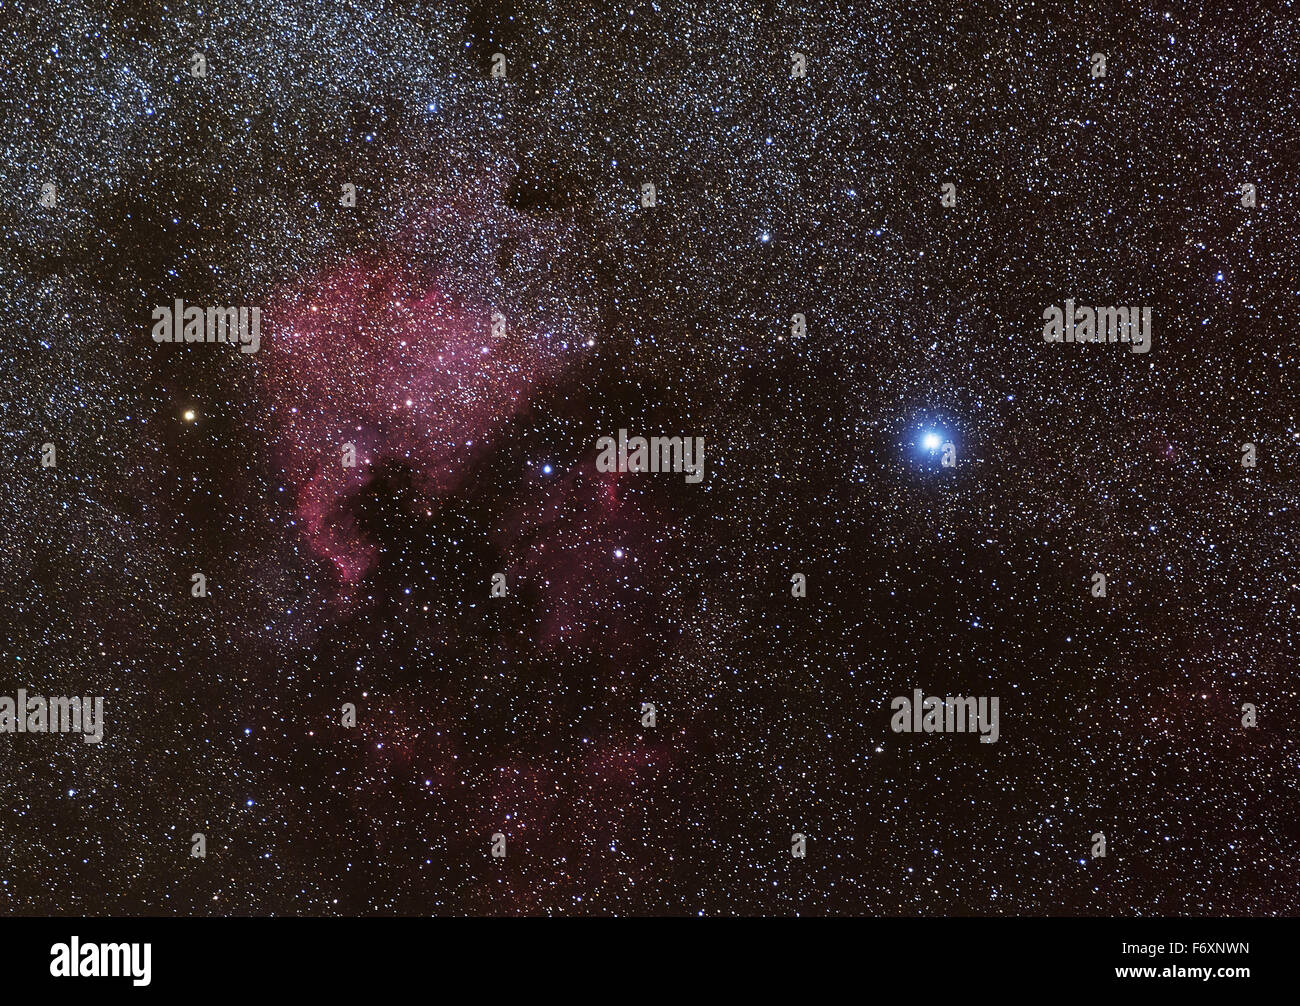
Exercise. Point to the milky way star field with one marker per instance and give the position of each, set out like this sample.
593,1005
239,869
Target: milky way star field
669,458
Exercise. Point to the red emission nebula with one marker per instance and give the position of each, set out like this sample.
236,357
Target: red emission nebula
365,359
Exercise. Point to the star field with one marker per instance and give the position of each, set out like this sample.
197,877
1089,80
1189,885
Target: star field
522,715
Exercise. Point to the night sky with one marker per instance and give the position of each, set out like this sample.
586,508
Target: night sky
775,194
